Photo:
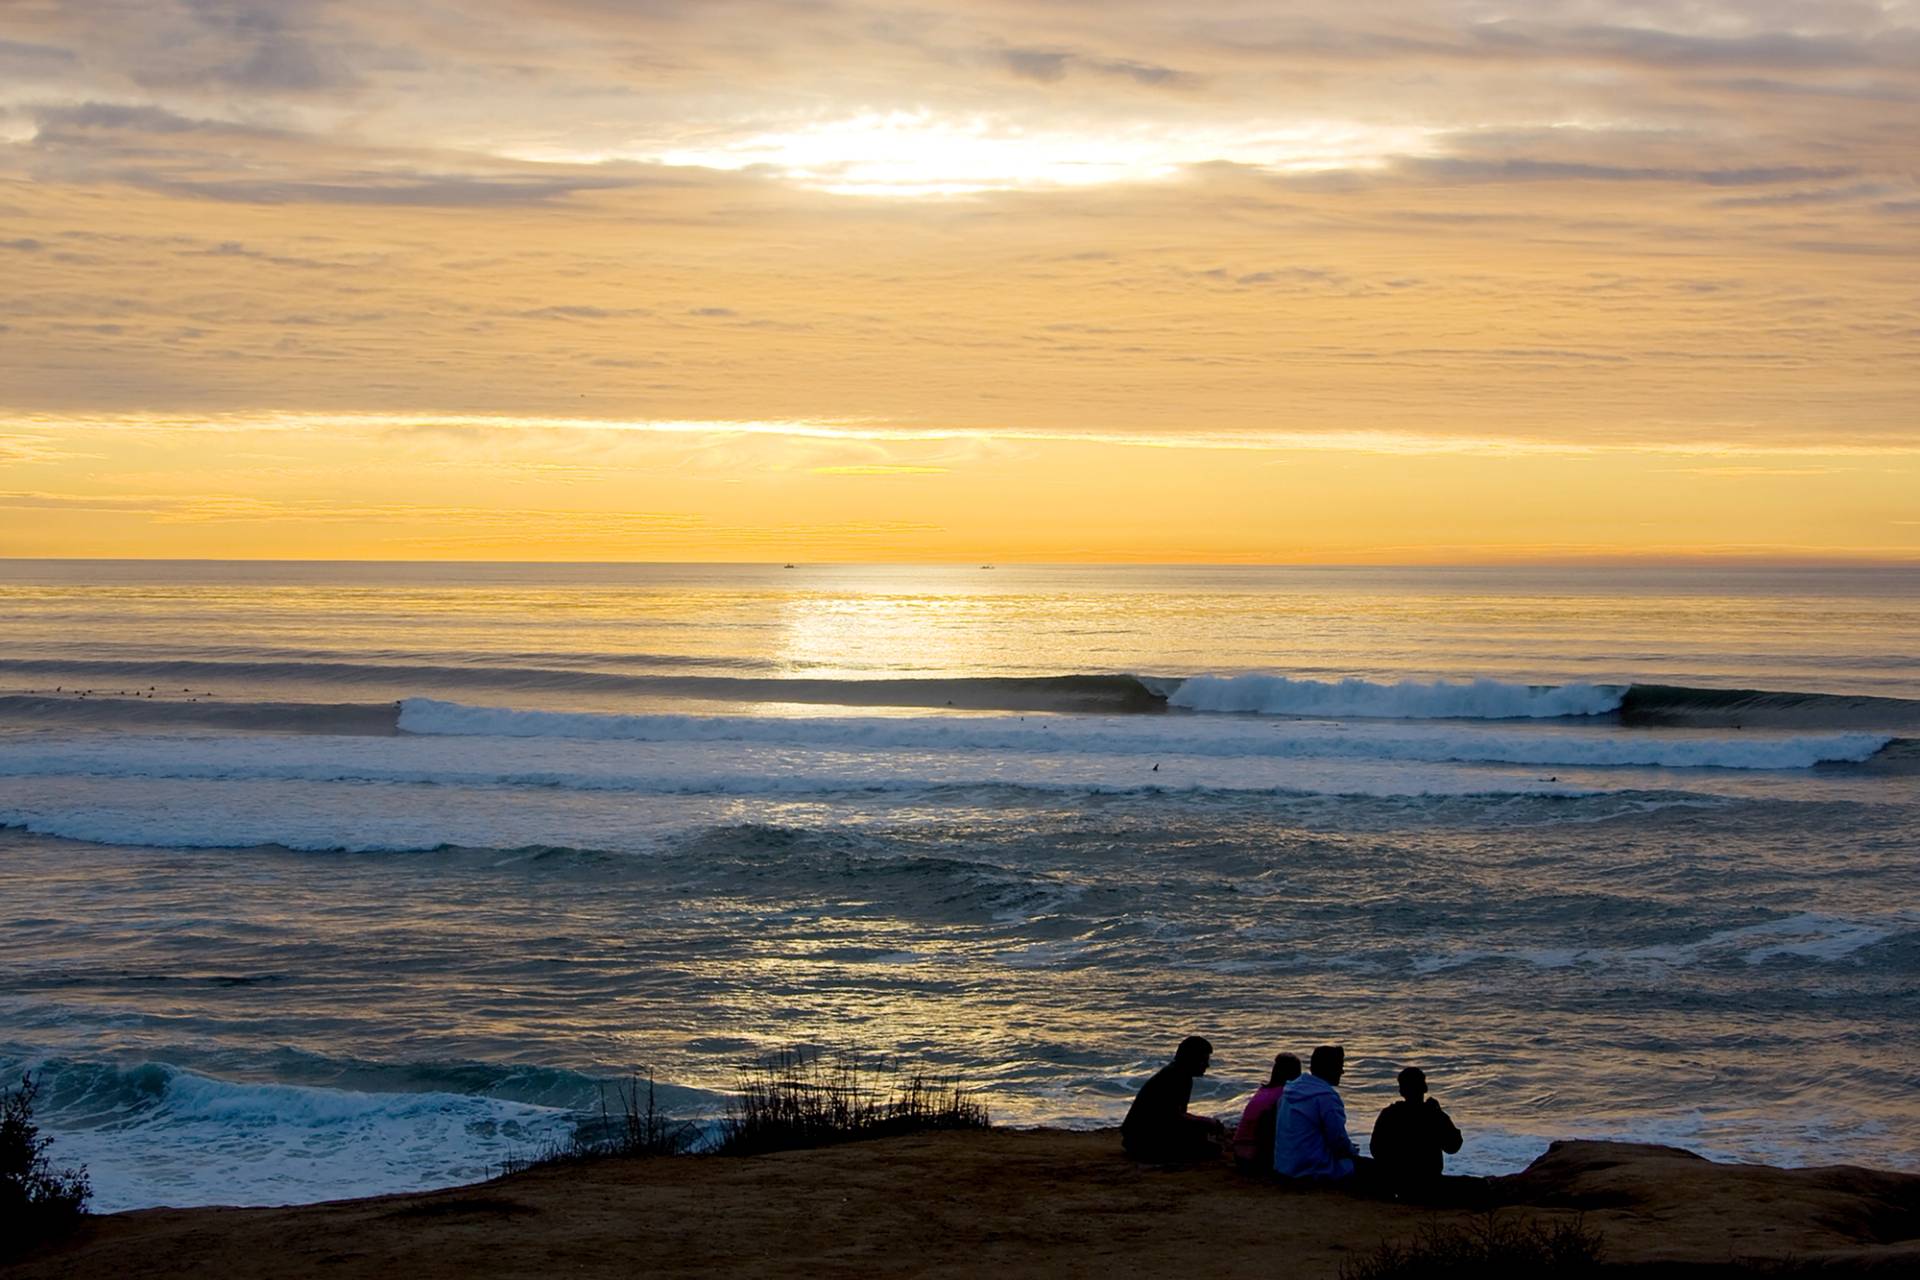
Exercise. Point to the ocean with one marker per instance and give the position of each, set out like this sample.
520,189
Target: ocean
327,879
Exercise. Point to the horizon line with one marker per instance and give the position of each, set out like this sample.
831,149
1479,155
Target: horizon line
1598,561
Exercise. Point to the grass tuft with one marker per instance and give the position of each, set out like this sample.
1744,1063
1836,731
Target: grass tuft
795,1099
1490,1246
790,1100
639,1128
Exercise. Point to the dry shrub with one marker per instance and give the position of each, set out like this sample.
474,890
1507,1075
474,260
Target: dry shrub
37,1201
639,1128
797,1099
1489,1246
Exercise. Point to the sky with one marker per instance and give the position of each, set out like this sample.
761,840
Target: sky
1337,281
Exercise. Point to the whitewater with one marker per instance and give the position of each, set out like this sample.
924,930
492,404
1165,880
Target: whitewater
335,880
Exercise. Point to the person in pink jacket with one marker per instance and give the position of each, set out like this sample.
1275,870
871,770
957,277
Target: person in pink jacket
1253,1140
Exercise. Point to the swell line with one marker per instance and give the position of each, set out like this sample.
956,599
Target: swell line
152,692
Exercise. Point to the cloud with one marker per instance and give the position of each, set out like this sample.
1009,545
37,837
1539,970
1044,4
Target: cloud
427,191
30,501
274,46
1763,49
445,526
23,59
66,125
1145,220
578,312
1044,65
878,469
237,250
1804,198
1857,248
1745,472
1526,169
1443,33
494,430
398,107
241,162
245,508
24,449
1049,66
1870,90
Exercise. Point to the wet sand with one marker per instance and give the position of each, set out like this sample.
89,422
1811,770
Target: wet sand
1004,1203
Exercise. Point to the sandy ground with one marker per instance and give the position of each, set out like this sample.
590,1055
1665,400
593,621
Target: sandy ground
1003,1203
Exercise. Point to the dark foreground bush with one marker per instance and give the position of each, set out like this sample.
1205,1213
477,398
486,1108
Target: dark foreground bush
795,1099
639,1128
1491,1246
37,1201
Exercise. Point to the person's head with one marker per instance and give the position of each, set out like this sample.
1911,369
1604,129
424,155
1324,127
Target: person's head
1329,1062
1413,1083
1285,1067
1193,1055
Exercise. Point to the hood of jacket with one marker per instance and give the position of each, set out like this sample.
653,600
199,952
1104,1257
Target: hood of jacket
1307,1087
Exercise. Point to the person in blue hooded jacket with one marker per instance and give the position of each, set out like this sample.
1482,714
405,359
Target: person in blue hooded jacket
1310,1133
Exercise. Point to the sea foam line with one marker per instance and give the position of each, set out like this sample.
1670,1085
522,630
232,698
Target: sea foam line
156,1134
1808,935
1137,736
1399,700
453,744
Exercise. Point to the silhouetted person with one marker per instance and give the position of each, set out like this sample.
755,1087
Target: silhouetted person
1253,1140
1412,1139
1310,1132
1158,1125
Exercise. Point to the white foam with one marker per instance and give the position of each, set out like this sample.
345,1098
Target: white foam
616,782
206,1141
1150,736
1040,955
1443,961
1786,1138
1397,700
1809,935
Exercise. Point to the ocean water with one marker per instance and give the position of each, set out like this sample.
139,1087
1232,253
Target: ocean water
322,879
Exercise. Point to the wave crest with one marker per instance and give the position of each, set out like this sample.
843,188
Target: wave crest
992,738
1398,700
158,1134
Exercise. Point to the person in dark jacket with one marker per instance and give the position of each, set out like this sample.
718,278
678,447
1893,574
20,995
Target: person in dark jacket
1412,1139
1158,1125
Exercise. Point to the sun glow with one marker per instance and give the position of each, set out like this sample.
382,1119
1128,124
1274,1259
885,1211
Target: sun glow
914,153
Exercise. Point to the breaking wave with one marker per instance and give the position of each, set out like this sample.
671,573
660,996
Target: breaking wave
1120,737
455,744
1399,700
118,697
153,1133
